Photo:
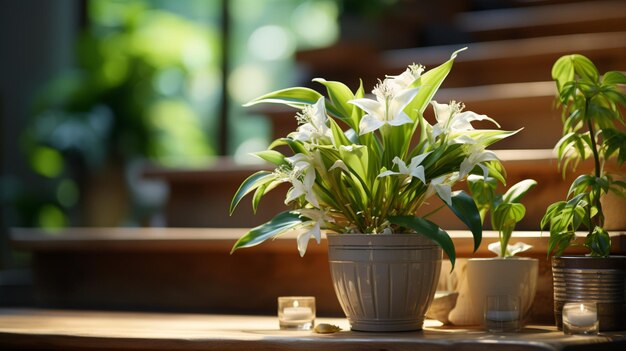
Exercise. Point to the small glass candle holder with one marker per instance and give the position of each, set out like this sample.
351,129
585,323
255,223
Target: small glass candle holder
296,312
580,318
503,314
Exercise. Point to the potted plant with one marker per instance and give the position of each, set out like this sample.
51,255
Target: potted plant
505,274
364,185
592,128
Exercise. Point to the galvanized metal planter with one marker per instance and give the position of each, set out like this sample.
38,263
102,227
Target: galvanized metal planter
602,280
384,282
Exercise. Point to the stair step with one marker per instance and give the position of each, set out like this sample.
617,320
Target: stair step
484,63
190,269
509,61
546,20
201,197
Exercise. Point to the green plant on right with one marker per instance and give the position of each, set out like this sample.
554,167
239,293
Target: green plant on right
593,127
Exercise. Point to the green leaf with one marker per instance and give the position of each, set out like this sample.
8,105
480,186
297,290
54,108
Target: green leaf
252,182
615,141
430,230
258,194
599,242
339,95
497,171
517,191
271,156
483,191
563,71
261,191
294,145
567,67
465,209
339,137
295,97
356,157
279,224
507,215
429,83
580,184
489,137
613,77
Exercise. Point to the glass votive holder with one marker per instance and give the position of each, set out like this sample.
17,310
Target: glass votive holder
580,318
296,312
503,314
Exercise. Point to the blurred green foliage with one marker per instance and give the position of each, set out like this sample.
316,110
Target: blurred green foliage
145,86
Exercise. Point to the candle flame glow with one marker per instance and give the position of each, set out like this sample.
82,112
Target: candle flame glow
296,304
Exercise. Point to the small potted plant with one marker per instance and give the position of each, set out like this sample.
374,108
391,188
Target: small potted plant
361,168
505,274
592,128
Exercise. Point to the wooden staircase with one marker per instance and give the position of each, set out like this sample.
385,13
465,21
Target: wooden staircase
505,74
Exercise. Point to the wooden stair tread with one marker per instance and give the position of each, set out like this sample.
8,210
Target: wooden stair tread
489,62
556,19
219,240
514,54
507,49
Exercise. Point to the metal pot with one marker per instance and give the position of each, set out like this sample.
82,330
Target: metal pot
597,279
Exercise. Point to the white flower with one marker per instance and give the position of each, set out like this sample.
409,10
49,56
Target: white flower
386,109
477,155
450,118
341,165
406,78
318,219
302,178
313,123
415,169
442,186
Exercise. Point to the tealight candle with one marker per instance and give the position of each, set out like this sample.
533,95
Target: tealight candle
296,312
580,318
502,313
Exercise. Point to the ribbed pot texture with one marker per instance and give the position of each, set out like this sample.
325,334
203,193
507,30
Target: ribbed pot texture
597,279
384,282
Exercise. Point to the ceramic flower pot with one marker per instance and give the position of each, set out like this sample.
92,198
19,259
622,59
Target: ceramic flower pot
513,276
597,279
384,283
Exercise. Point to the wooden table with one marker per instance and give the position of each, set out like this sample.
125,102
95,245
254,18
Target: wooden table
36,329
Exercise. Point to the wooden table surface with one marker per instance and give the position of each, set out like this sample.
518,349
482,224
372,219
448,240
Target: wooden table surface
38,329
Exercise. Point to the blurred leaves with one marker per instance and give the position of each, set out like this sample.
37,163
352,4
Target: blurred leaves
143,87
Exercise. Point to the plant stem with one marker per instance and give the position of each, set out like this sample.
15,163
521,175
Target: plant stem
599,219
594,147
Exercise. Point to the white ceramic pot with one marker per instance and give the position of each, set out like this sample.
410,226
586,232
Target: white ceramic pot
384,282
514,276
